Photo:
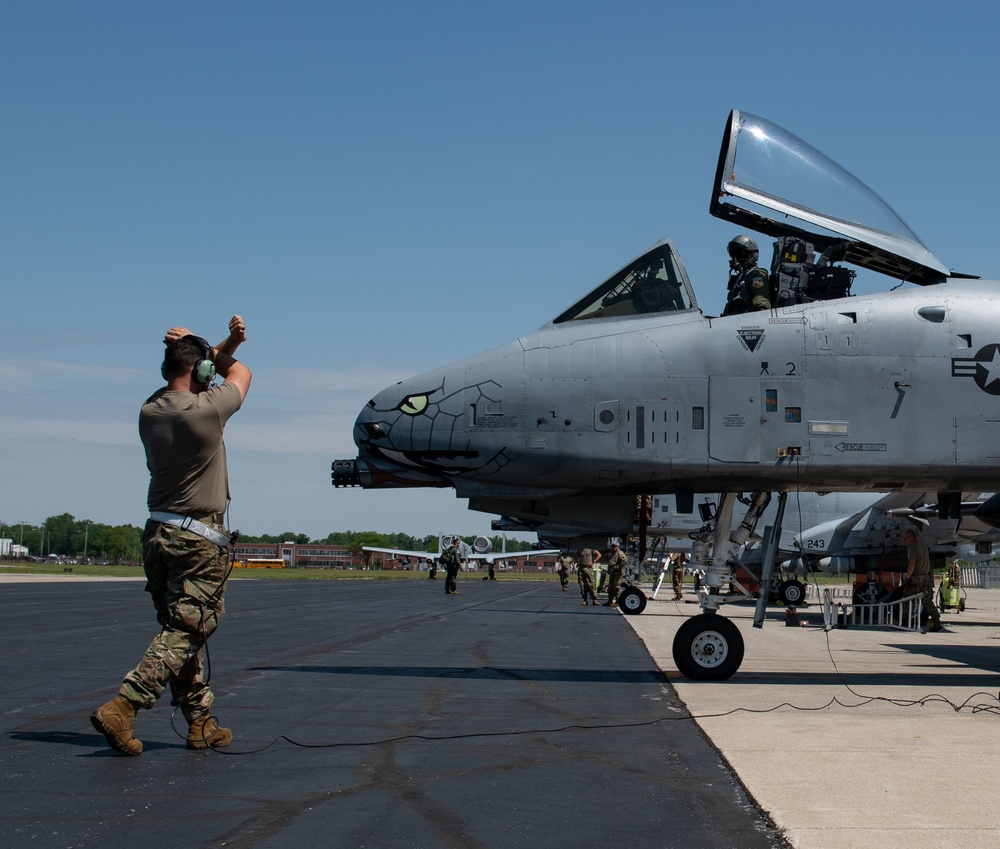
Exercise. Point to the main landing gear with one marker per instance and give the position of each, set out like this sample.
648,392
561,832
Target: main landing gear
709,647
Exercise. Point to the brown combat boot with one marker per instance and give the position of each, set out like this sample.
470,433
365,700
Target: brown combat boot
205,732
115,720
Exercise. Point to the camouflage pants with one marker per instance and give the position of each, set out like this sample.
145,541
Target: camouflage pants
677,581
614,584
923,584
185,575
585,576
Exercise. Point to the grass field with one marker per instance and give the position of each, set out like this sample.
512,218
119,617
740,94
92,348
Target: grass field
11,568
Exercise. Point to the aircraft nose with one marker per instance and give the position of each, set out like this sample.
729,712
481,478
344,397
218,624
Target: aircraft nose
441,427
396,444
373,430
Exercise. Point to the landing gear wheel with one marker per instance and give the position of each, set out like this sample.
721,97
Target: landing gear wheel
708,647
632,601
792,593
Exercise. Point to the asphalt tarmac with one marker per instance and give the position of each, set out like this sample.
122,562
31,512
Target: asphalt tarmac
366,714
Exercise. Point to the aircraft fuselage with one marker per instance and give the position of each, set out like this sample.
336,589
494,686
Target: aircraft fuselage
872,392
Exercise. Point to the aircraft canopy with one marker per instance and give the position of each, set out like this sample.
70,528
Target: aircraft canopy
654,282
771,181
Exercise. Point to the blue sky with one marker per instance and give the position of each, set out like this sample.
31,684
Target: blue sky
381,187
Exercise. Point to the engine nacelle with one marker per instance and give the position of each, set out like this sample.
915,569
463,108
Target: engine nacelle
482,545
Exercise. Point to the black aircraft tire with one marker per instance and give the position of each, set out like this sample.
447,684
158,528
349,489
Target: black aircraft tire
792,593
708,647
632,601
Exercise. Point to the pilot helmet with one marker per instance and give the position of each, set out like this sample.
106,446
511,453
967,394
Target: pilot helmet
743,250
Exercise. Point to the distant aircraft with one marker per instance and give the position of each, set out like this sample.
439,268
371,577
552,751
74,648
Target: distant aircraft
870,541
632,390
481,551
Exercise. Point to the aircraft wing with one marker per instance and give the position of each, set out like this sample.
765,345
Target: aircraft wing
893,502
399,552
467,555
494,556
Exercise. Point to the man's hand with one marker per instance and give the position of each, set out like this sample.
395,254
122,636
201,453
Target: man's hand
237,329
175,333
237,336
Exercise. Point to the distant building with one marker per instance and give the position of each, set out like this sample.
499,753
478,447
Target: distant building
8,549
301,556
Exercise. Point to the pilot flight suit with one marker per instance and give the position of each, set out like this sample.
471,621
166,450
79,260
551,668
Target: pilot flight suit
748,292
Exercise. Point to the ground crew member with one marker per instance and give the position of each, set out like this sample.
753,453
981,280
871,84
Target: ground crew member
452,558
616,567
677,576
585,573
566,564
185,546
919,577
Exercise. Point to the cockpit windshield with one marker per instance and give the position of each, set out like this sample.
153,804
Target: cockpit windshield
655,282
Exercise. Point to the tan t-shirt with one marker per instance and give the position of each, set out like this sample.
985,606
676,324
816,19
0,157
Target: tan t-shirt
186,457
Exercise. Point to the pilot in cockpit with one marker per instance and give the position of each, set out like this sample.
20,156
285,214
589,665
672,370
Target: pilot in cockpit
749,285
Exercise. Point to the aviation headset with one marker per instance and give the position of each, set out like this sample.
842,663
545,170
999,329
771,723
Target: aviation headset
204,369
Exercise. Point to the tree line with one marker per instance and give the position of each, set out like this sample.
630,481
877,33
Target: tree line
67,536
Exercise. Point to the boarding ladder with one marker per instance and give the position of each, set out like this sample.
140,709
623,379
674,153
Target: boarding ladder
905,614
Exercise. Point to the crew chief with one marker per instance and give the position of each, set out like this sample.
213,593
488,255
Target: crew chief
185,547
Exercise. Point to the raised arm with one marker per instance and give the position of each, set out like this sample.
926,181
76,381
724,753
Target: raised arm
231,369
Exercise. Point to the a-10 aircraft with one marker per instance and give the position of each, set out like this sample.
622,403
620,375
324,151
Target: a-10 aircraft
481,551
870,540
632,390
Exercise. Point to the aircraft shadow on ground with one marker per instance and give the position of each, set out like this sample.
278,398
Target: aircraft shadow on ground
485,673
874,683
944,665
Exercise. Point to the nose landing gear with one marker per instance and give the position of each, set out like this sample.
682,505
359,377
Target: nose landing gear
709,647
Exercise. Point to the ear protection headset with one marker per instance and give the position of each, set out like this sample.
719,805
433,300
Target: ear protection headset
204,369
